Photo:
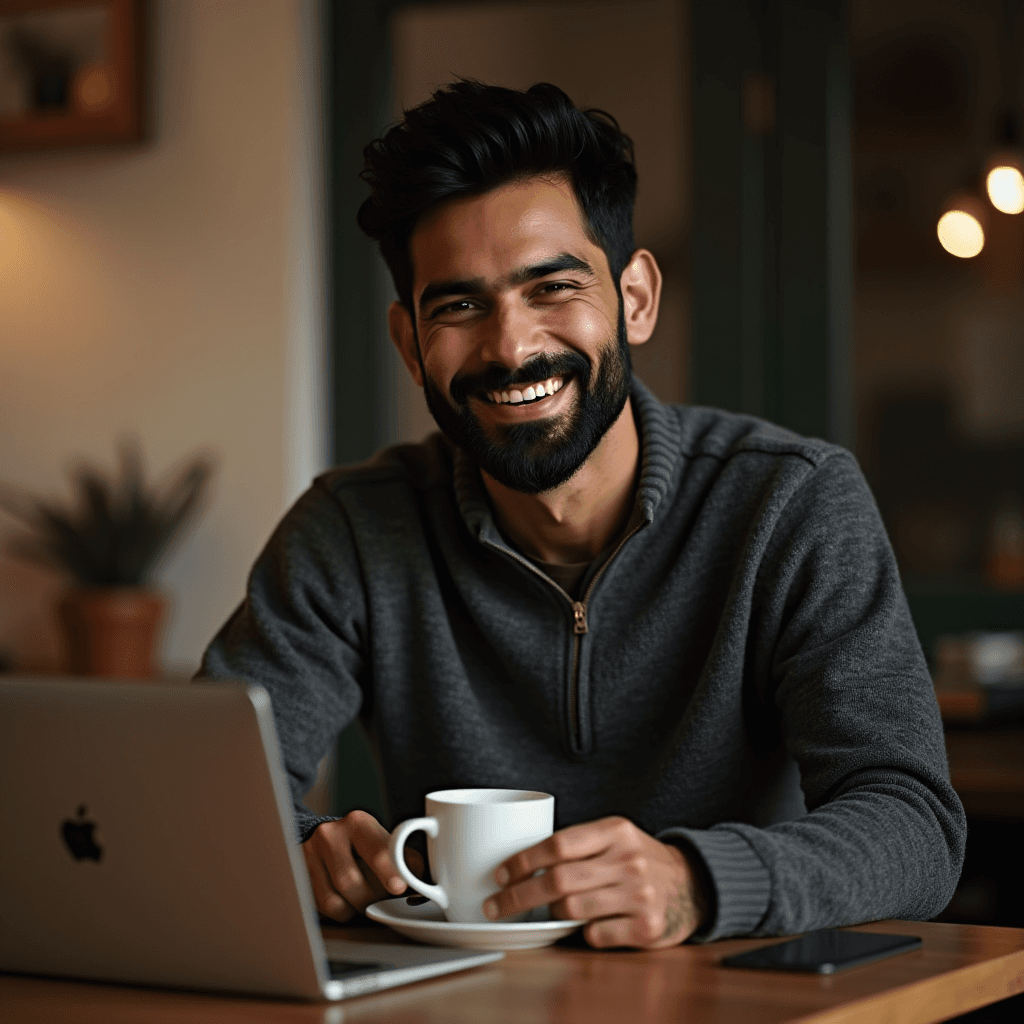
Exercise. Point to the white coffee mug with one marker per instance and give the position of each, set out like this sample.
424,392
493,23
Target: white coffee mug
470,832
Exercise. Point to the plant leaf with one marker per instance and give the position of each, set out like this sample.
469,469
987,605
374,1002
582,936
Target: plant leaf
99,524
182,497
61,537
118,531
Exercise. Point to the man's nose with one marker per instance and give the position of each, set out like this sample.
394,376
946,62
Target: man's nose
510,336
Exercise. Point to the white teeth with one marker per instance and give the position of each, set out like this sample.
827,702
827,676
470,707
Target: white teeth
534,391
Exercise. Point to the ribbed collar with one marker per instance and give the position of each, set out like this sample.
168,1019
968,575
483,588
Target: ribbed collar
660,444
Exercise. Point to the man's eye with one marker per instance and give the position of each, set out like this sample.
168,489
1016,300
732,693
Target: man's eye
557,287
462,306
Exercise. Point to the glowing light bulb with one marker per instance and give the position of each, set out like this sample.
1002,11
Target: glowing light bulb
961,234
1005,186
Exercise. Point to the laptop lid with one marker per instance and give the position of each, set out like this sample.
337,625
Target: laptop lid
146,837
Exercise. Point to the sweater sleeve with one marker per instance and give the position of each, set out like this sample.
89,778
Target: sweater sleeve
300,632
842,671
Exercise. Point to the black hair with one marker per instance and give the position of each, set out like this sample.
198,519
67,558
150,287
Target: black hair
470,138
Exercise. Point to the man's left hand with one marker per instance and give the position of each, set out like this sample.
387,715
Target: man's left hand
633,889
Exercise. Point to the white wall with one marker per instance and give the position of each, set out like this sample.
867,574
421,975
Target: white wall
173,291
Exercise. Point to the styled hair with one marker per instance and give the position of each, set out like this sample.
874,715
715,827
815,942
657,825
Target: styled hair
470,138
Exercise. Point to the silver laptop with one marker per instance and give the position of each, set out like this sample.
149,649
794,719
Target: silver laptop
146,837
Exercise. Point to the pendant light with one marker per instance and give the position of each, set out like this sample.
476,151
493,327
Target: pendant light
964,219
962,225
1004,181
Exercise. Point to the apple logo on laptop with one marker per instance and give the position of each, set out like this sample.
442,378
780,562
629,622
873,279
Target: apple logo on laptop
78,837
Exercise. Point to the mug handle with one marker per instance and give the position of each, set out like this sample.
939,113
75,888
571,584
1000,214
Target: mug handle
397,849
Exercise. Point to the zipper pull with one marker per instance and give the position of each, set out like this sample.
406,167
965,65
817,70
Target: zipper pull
579,610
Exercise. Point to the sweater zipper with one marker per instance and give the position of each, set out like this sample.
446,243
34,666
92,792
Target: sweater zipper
579,626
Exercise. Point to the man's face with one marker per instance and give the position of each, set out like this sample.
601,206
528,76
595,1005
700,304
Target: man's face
522,343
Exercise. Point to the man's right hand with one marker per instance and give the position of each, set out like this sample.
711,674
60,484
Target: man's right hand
350,867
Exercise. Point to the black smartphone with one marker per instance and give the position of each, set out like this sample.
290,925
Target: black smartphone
824,952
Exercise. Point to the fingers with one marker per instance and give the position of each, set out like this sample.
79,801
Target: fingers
633,889
576,842
349,866
565,886
415,863
328,900
370,840
353,859
644,931
659,916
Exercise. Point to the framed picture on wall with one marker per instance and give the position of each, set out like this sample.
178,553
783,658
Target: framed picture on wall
71,73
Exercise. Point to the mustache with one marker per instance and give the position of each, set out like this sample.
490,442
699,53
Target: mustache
500,378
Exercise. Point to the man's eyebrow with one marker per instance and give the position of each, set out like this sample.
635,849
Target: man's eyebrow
522,275
555,265
442,289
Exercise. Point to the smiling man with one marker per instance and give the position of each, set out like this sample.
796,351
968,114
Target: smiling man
686,624
526,366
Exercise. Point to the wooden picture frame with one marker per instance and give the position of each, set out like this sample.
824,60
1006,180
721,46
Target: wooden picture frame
54,92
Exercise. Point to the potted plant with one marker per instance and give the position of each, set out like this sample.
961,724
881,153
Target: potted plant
108,542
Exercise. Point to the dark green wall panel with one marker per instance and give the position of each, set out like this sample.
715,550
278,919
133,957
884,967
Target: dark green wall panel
772,250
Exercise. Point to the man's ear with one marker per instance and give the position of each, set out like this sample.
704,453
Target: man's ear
641,293
402,334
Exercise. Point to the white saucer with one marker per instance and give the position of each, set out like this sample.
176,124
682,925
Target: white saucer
425,923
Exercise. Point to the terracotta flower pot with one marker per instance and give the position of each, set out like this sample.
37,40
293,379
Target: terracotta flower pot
112,631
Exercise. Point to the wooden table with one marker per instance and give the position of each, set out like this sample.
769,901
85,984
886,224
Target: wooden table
959,968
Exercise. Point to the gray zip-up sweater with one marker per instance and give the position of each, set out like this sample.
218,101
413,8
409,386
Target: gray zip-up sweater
742,676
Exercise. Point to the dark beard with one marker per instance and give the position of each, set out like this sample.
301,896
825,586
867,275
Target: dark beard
540,455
